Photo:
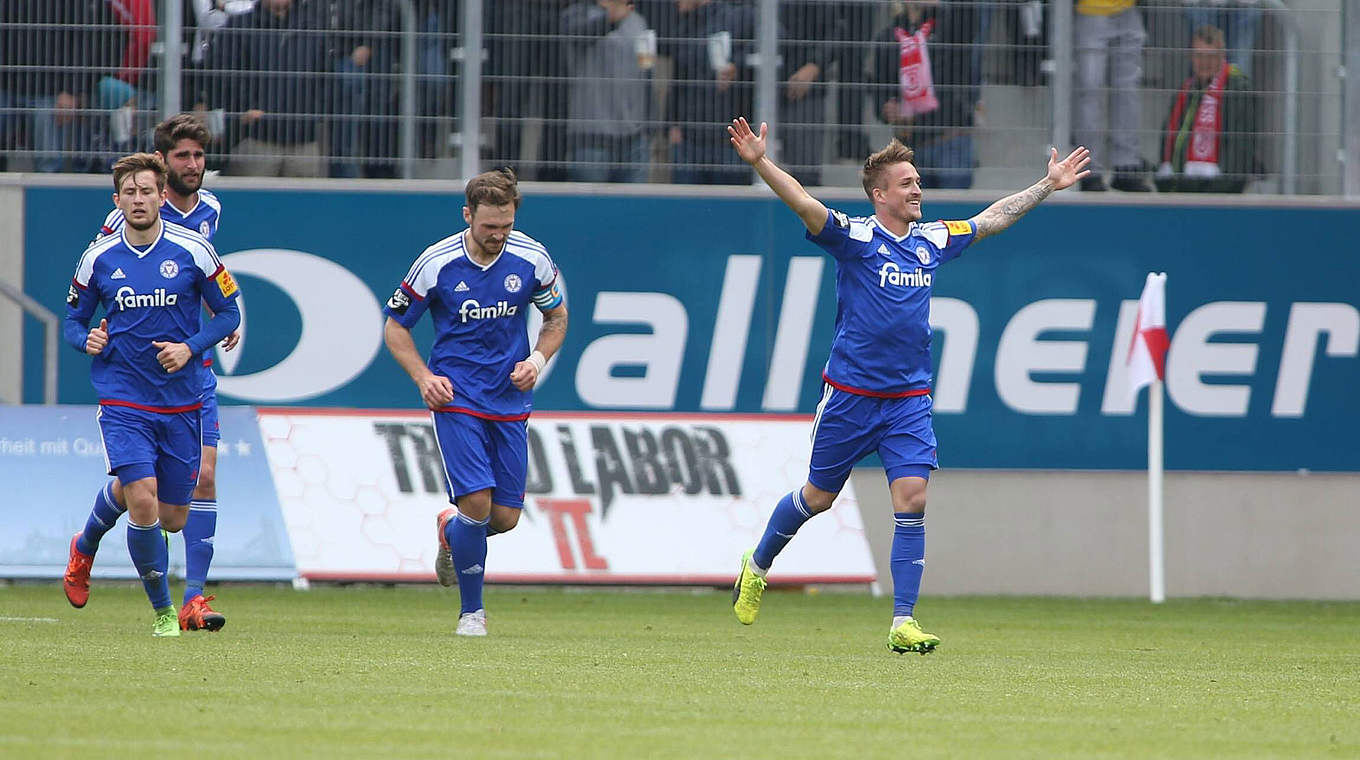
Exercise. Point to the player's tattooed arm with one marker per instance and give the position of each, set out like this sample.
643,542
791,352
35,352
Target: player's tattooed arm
1008,210
1061,174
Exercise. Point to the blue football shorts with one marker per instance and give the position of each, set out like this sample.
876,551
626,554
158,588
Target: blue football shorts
140,444
211,428
480,453
849,426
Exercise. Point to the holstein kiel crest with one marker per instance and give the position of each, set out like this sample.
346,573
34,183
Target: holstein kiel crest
923,254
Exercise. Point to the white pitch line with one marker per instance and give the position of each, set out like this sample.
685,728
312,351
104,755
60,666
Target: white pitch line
27,620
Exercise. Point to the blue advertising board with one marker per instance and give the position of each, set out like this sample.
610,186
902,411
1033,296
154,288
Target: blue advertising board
720,304
52,464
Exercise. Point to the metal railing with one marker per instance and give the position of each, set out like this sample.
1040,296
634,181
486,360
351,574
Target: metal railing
51,336
604,90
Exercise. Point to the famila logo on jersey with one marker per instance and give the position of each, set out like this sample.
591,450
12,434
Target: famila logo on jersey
471,309
890,274
128,298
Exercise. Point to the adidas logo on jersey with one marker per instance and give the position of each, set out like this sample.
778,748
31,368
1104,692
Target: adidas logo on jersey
890,274
461,287
473,310
883,249
128,298
118,274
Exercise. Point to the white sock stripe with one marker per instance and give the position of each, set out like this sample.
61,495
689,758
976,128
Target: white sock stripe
154,526
910,522
799,505
469,521
202,506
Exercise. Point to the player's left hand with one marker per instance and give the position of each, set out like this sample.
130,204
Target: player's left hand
524,376
1066,172
172,356
231,341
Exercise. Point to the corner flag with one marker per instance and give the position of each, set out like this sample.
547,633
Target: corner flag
1147,351
1147,366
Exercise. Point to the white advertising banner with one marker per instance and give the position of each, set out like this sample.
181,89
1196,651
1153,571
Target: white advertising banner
611,498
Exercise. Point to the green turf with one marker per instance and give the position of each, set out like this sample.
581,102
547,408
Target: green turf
376,672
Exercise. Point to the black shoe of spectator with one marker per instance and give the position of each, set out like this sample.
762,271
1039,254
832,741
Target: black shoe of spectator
1093,183
1131,179
853,145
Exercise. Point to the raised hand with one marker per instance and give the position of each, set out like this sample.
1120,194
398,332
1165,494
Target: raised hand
1066,172
749,146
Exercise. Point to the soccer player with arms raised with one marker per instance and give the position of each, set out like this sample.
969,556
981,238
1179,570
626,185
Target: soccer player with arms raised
150,279
876,395
181,141
478,285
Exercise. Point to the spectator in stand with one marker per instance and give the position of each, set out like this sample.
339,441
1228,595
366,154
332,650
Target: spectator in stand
274,63
1239,20
53,54
524,57
1209,144
608,62
1109,39
120,93
857,23
703,94
362,51
203,93
806,27
927,78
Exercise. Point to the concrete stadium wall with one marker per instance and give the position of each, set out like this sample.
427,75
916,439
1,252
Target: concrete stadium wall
1250,535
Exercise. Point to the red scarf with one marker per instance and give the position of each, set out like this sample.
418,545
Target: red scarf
1206,132
917,84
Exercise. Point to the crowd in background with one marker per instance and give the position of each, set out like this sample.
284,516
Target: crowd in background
609,90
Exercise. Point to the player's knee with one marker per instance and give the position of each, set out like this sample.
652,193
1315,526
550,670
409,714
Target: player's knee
206,488
912,503
818,500
173,517
476,505
504,519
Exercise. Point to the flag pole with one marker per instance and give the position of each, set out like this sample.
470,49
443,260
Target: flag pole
1156,567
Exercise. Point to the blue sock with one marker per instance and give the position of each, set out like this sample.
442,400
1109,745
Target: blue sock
199,531
789,515
908,560
467,542
101,520
146,545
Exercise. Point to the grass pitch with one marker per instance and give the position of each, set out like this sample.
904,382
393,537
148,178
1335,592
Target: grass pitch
376,672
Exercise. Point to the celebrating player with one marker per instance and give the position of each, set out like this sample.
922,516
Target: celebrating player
876,395
150,279
180,141
477,286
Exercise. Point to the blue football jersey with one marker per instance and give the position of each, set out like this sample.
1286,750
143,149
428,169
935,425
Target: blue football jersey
883,285
202,218
148,294
480,318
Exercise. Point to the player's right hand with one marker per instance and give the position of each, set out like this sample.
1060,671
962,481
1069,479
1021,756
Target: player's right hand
437,391
98,338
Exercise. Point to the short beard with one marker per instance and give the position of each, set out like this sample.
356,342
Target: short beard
176,183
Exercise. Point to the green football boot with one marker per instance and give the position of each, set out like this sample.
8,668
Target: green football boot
908,637
167,622
746,591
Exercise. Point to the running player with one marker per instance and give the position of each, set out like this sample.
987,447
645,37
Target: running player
478,285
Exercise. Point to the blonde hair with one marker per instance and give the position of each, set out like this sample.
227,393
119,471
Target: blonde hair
877,163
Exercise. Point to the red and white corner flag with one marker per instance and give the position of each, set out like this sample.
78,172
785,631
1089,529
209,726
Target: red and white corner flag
1147,351
1147,366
